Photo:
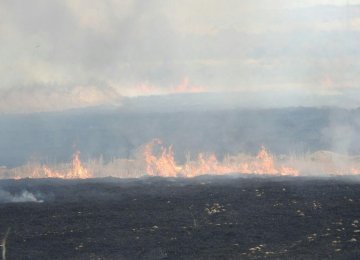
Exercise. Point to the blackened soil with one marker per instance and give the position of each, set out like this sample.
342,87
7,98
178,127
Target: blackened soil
204,218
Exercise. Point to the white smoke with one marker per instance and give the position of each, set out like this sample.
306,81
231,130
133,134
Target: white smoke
24,196
45,98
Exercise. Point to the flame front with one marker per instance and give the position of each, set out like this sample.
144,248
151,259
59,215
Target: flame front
165,165
76,171
157,160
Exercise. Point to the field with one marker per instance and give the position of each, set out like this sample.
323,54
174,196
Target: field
232,217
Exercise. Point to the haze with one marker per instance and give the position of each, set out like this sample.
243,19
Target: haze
57,55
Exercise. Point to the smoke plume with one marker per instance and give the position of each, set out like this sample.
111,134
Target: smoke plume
24,196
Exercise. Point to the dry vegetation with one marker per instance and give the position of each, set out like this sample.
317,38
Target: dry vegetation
161,162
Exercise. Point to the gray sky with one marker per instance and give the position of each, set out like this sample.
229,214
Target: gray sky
70,53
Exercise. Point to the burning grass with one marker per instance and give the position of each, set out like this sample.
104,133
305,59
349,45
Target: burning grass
158,160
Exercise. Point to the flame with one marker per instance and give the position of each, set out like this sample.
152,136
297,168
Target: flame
355,171
157,160
183,87
76,171
165,165
49,173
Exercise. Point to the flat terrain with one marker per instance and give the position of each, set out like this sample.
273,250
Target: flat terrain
203,218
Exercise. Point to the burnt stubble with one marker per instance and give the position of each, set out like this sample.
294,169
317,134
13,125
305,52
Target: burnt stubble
231,217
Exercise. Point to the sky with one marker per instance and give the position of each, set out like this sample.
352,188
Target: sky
62,54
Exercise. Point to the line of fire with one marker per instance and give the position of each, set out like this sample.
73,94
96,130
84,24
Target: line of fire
155,159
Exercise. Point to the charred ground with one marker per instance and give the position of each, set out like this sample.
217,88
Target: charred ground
202,218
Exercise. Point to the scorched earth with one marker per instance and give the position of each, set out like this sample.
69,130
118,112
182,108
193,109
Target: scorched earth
231,217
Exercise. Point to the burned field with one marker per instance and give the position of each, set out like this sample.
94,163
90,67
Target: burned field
201,218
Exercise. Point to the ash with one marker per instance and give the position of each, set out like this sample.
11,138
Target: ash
232,217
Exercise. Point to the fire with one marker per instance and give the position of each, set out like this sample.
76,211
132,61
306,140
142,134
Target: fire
158,160
265,165
76,171
355,171
165,165
183,87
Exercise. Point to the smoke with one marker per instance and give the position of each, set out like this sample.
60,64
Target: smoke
52,98
238,45
24,196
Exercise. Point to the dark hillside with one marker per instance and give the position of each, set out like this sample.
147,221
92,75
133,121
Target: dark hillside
118,133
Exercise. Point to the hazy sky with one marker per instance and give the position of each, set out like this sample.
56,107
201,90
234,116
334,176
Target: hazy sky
67,53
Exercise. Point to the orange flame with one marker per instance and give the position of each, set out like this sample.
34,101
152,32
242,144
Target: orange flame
157,160
77,171
165,165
